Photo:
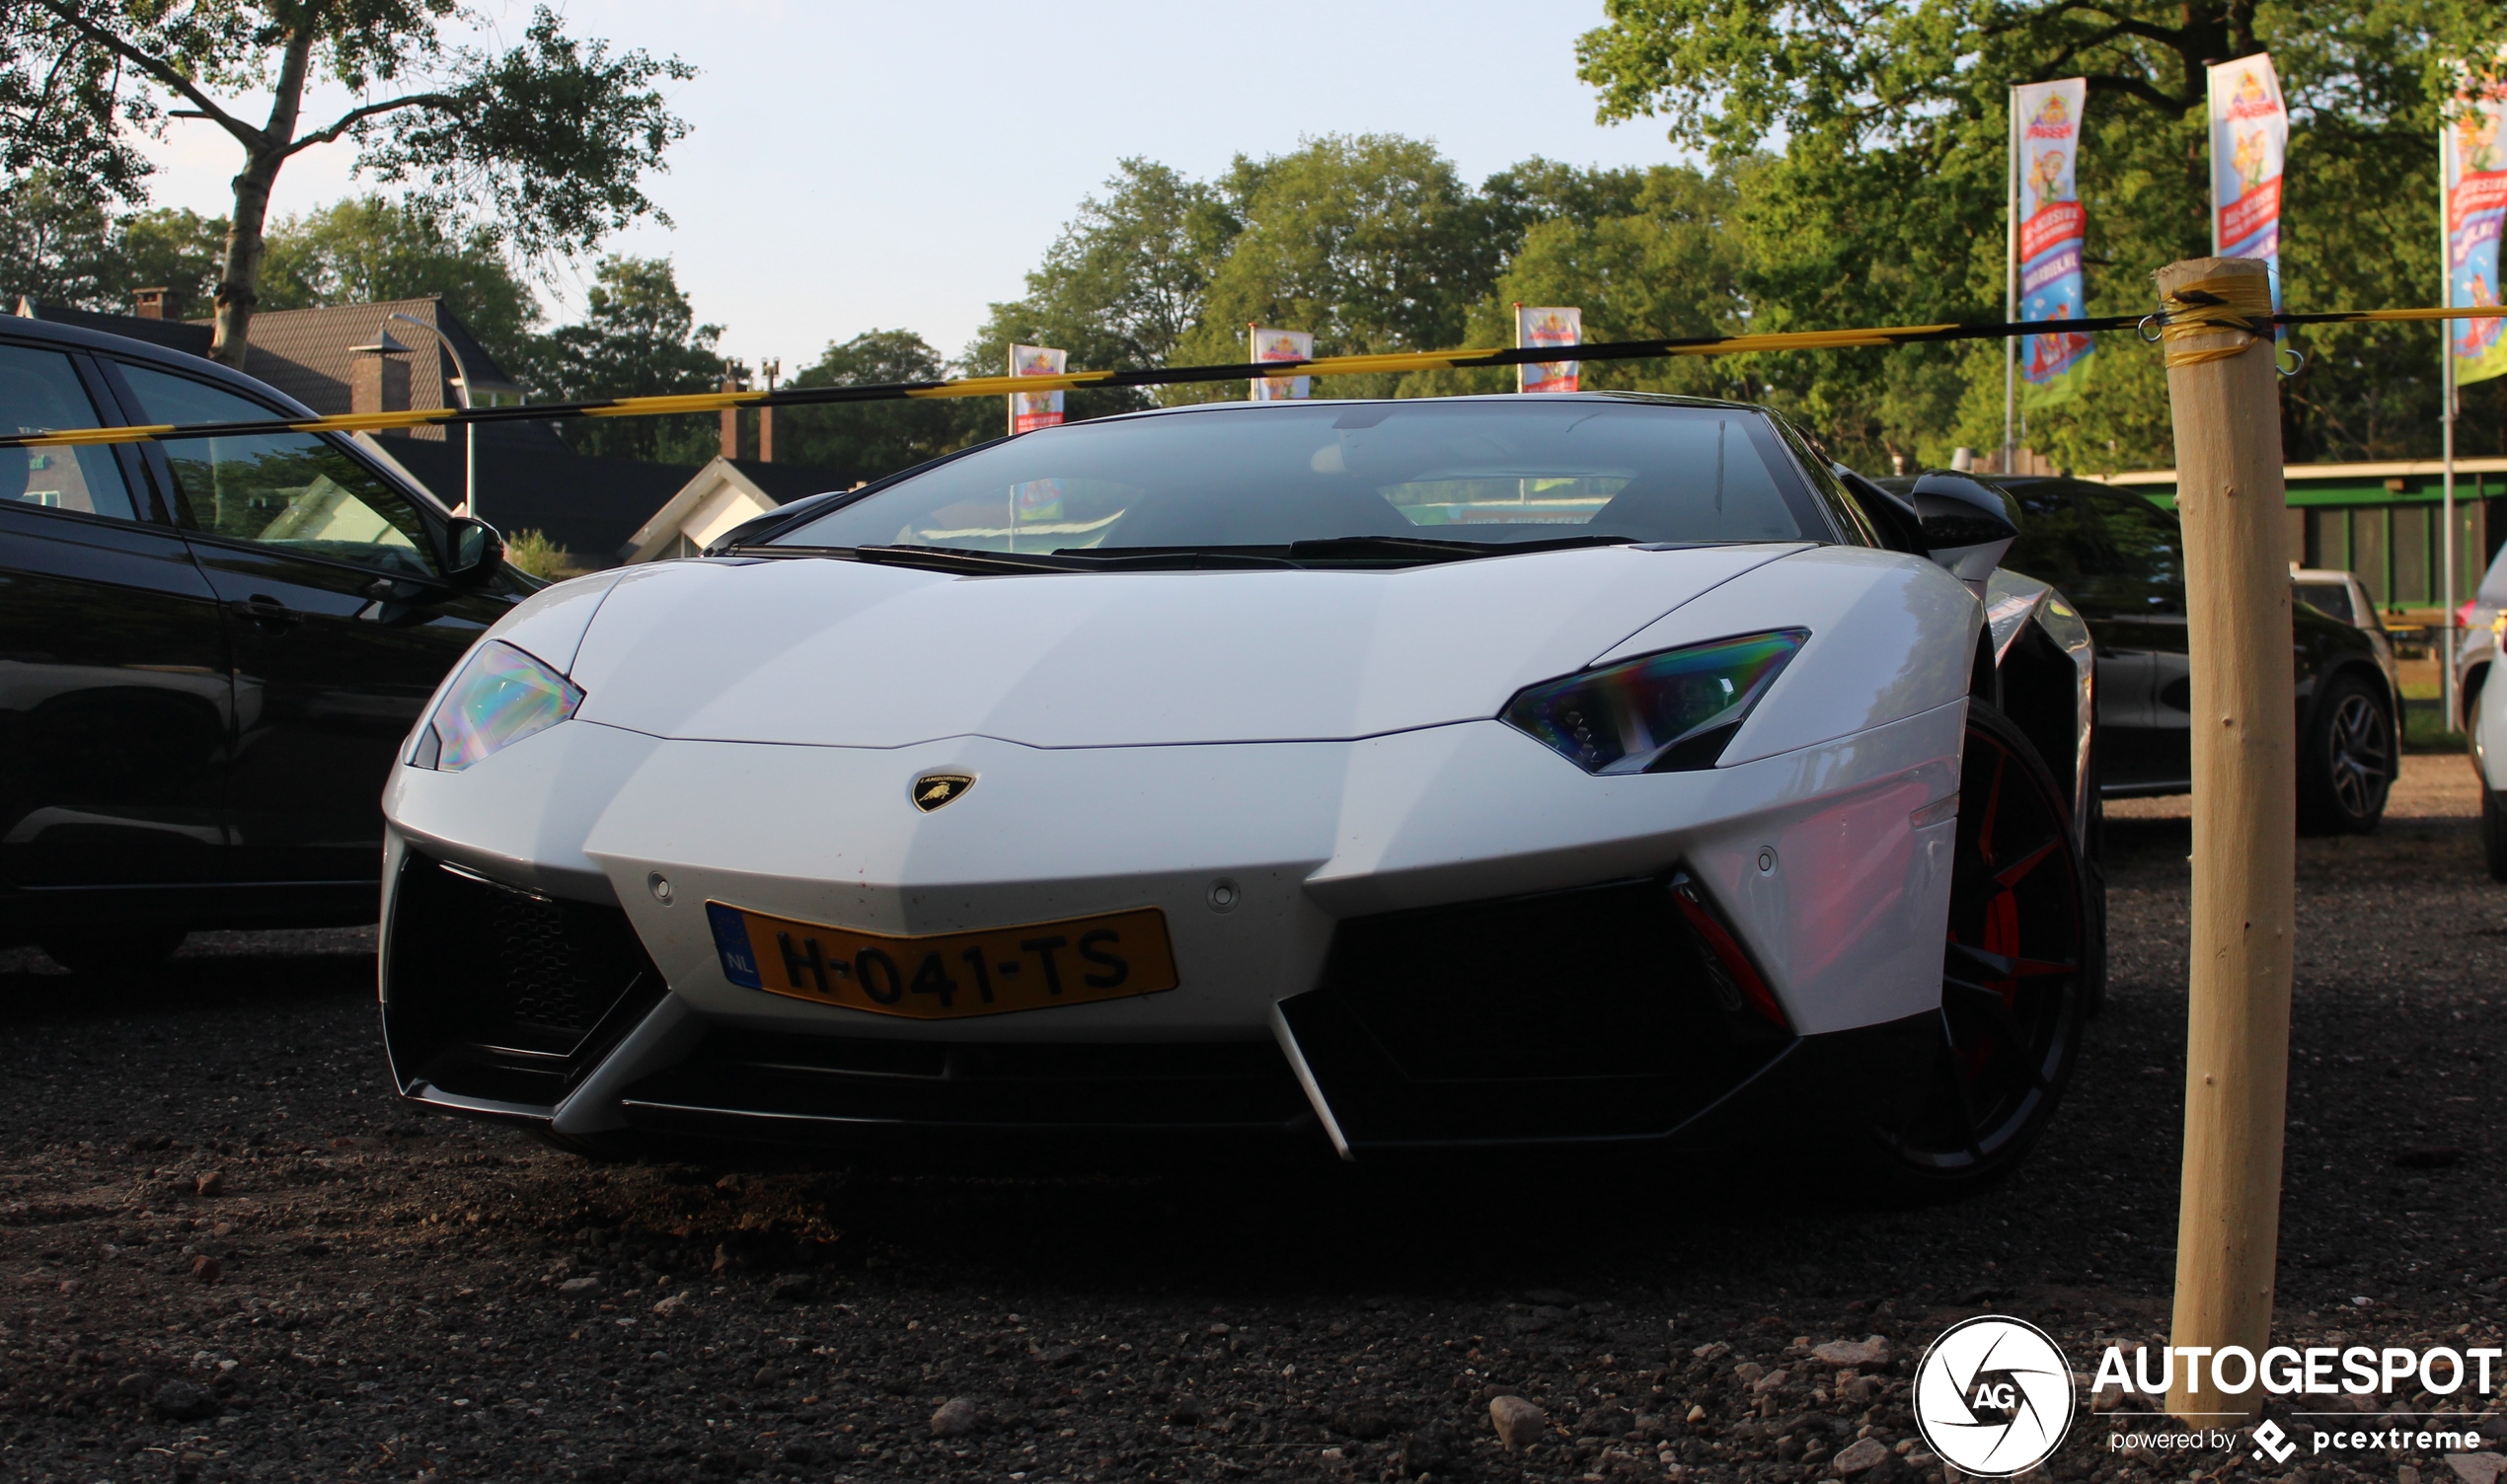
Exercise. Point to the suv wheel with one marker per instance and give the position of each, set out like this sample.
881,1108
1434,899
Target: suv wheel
2345,760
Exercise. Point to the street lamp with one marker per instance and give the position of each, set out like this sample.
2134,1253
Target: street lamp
469,431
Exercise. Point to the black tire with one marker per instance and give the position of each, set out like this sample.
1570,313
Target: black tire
2493,831
2346,760
119,953
2017,980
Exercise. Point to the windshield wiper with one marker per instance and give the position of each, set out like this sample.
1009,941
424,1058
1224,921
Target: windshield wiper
1411,549
1175,559
1067,560
1422,548
954,559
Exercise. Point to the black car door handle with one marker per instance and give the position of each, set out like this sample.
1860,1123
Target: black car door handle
267,613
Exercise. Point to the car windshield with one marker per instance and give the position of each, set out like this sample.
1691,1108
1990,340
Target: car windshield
1403,476
2332,598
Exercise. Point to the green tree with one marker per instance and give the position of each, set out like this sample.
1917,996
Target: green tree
59,246
638,338
546,143
367,249
1371,241
872,439
172,248
1120,286
1668,264
1887,203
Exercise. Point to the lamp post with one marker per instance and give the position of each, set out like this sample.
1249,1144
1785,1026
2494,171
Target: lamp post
469,431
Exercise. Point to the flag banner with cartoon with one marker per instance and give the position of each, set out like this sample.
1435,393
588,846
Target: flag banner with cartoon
1035,500
1030,410
2475,207
1548,327
1281,345
2052,228
2250,141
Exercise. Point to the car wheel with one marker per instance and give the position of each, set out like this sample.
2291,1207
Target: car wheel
113,952
2493,832
2345,760
2016,977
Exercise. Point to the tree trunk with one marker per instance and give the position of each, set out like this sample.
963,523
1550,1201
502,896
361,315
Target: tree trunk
239,275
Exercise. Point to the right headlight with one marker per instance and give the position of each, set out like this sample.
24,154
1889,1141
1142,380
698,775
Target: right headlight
502,696
1658,713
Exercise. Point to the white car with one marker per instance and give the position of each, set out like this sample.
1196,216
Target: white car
1381,774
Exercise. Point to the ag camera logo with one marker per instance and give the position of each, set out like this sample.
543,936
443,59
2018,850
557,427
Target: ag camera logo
1993,1396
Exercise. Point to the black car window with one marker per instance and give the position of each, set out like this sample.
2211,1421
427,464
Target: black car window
2070,530
2331,598
292,490
1492,471
39,392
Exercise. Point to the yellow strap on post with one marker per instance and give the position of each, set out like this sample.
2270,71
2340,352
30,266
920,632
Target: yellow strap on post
2210,305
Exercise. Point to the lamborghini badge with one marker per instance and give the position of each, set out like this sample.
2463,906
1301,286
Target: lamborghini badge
934,790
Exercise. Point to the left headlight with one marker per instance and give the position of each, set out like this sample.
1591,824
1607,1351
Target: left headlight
1659,713
500,697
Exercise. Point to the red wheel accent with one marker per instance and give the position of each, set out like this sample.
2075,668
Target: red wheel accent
2015,980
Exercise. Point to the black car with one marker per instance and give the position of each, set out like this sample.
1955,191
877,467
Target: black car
211,651
2119,559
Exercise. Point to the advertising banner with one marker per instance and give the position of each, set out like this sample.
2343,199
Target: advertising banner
2475,206
1281,345
2052,228
1548,327
2249,140
1030,410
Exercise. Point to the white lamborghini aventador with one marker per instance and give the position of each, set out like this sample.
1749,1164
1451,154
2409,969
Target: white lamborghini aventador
1380,775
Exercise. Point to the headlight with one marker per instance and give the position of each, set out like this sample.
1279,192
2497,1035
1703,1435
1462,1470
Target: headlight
1656,714
500,697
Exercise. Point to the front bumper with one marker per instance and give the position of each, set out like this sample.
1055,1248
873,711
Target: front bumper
1439,938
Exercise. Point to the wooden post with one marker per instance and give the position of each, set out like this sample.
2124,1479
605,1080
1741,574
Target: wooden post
2224,396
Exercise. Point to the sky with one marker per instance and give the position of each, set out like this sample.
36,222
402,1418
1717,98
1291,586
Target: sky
853,167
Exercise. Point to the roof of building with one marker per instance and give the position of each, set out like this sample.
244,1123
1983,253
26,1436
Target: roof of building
787,482
2391,481
718,496
309,354
174,334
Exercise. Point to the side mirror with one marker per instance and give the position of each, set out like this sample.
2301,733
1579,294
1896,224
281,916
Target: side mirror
473,551
1967,525
1890,513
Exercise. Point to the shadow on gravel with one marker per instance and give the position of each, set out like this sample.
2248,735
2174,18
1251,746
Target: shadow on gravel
35,991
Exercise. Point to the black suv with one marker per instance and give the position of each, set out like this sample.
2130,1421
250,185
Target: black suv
2119,559
211,651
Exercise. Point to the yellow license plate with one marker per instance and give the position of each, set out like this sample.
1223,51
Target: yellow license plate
947,975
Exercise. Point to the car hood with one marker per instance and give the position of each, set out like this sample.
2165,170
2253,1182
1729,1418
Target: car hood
832,653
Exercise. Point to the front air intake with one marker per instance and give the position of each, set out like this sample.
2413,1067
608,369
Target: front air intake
501,998
1597,1013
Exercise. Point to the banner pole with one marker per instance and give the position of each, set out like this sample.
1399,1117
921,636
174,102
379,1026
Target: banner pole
2224,392
1519,343
2446,412
2010,272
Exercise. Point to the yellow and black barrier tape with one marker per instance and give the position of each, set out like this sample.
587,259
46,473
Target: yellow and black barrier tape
1326,365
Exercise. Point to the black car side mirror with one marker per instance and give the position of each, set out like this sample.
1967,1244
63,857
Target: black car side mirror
473,551
1967,525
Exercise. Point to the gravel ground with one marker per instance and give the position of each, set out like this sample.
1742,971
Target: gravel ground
226,1253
